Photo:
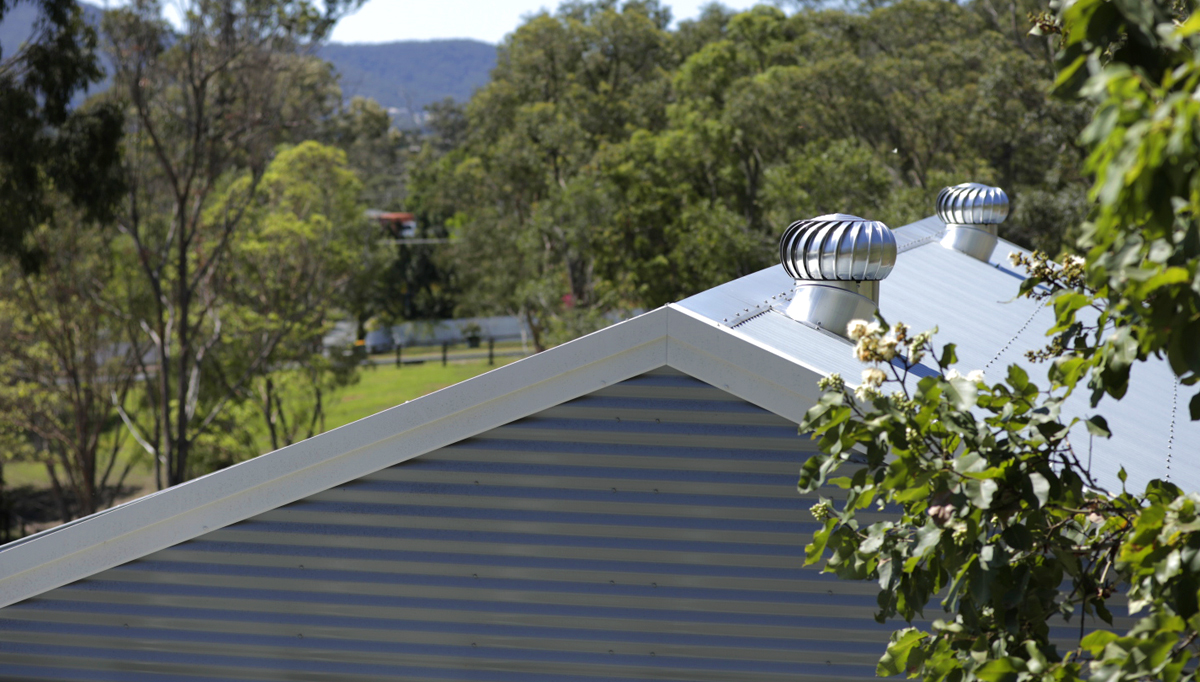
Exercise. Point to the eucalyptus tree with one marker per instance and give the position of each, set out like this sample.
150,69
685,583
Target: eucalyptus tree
50,151
296,254
63,364
566,85
207,101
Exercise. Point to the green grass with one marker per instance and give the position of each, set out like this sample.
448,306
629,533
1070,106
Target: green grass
382,386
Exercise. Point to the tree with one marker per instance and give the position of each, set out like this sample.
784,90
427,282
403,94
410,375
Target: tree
294,257
49,151
375,150
589,182
565,85
206,102
63,367
993,514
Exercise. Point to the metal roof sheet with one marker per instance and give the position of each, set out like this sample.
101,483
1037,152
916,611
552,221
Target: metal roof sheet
974,305
650,530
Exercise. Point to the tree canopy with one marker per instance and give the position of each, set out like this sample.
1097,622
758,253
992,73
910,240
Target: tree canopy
612,163
49,150
990,510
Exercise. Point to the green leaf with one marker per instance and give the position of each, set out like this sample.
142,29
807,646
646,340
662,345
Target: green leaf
1096,641
811,476
1068,74
1017,378
962,393
949,357
1191,26
816,549
1000,670
1098,426
1174,275
980,492
927,538
895,660
1018,537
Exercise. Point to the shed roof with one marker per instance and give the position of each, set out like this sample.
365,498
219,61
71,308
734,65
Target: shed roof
733,336
974,305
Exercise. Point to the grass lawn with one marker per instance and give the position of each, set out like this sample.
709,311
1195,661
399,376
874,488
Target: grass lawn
382,386
379,387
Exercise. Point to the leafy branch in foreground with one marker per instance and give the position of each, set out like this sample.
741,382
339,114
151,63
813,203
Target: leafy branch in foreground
984,505
1138,64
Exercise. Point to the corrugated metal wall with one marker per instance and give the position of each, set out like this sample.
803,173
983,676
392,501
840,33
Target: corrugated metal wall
649,531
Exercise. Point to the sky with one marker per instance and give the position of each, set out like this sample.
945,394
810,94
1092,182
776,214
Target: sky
381,21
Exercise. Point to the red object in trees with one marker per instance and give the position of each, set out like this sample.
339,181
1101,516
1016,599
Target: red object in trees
398,225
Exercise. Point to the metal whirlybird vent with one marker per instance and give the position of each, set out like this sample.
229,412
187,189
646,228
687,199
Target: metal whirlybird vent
837,261
972,213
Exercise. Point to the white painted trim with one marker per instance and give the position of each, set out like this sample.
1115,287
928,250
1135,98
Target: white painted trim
157,521
731,361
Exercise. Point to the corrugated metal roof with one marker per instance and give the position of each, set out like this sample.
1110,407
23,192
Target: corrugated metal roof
974,305
648,531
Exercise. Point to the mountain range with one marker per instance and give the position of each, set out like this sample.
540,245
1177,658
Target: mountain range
403,76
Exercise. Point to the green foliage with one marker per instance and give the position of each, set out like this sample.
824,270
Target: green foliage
1137,63
62,370
210,101
297,252
374,149
989,512
48,150
611,164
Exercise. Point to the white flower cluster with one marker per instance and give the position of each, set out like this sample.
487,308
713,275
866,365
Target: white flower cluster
871,344
874,345
833,382
872,379
1071,274
960,532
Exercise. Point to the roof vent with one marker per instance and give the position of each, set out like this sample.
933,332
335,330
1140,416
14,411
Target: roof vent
837,261
971,212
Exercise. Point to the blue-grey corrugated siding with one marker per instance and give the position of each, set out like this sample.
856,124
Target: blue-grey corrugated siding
649,531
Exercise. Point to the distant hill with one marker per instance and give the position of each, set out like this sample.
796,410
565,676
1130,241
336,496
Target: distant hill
407,75
403,76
